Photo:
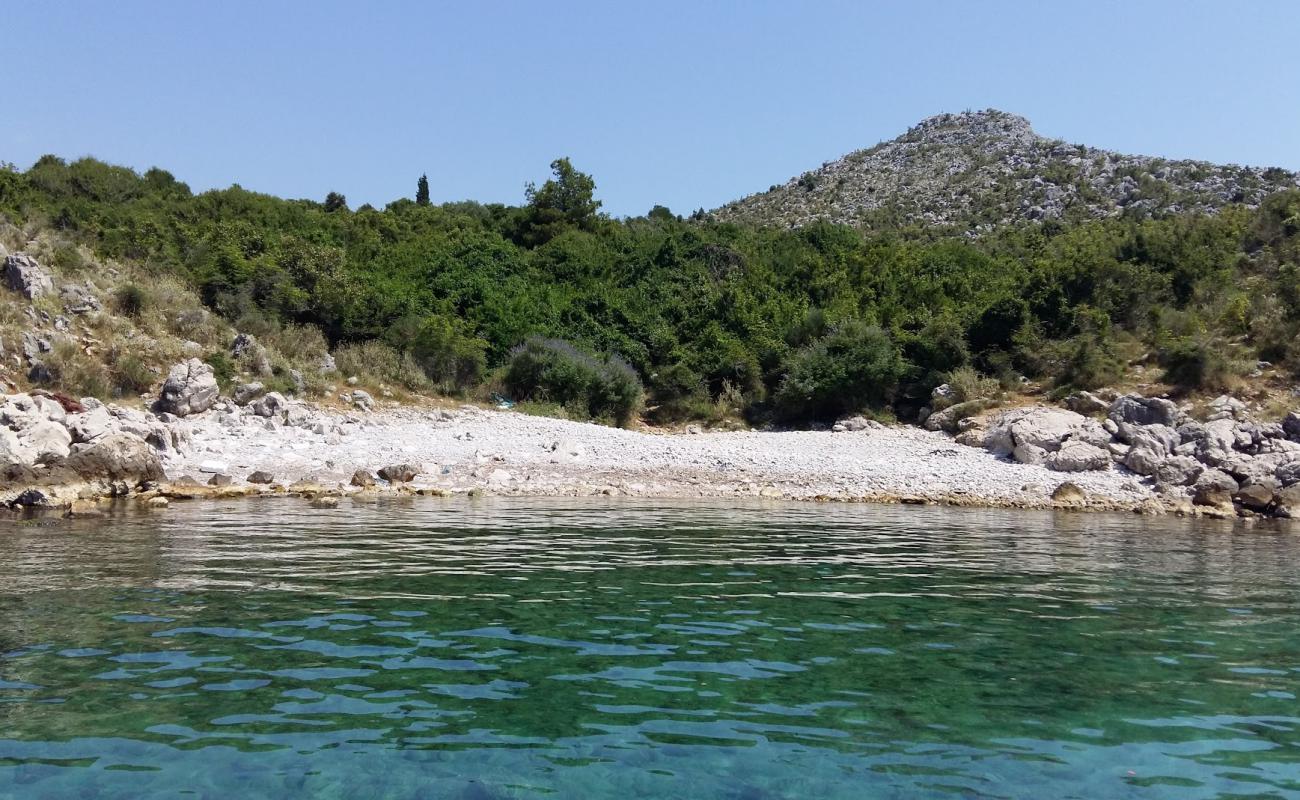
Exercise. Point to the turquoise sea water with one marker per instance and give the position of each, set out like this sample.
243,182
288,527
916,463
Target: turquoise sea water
567,649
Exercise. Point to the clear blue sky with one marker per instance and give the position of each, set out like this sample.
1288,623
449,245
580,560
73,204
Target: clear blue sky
688,104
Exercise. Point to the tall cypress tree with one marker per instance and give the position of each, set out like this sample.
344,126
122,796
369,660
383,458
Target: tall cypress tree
422,191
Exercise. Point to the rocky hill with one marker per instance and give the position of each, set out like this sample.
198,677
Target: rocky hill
978,170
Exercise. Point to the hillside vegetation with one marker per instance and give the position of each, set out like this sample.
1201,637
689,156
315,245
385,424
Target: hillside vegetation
553,303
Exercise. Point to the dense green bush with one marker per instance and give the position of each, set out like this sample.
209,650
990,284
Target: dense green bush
555,371
855,367
1198,363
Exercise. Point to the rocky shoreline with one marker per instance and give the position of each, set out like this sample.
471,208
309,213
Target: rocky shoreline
1146,455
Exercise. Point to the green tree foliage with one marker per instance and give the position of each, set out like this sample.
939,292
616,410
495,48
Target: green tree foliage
853,368
564,202
422,191
788,325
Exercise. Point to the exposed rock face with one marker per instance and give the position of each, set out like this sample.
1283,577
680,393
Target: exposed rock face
399,473
24,274
948,418
1029,434
1086,403
1076,456
245,393
272,406
190,388
363,479
1229,459
1136,410
48,440
981,170
119,457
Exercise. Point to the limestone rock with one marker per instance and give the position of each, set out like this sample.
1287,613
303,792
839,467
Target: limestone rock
24,274
260,477
1069,494
1079,457
948,418
362,399
1227,407
47,440
190,388
1257,494
363,479
1178,470
1143,460
1043,427
246,393
119,457
1086,403
91,425
399,473
1138,410
271,405
851,425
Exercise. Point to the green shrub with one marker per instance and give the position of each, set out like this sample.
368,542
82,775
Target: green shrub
855,367
443,349
966,385
223,368
76,372
132,375
1090,363
555,371
1198,363
678,393
376,362
131,300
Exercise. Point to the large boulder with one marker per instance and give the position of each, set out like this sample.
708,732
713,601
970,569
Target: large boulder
246,393
12,451
1143,460
24,274
1086,403
1075,456
271,405
1138,410
1158,438
118,457
91,425
1178,471
1291,426
1028,430
47,440
1227,407
399,473
190,388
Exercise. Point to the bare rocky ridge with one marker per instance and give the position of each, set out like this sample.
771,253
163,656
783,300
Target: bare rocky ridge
979,170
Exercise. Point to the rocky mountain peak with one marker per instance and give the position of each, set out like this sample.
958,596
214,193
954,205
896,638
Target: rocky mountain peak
978,170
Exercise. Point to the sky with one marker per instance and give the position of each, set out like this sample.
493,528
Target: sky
684,104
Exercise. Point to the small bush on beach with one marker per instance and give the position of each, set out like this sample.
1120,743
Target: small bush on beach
555,371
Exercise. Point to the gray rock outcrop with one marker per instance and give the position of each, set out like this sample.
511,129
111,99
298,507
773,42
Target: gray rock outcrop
190,388
24,274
